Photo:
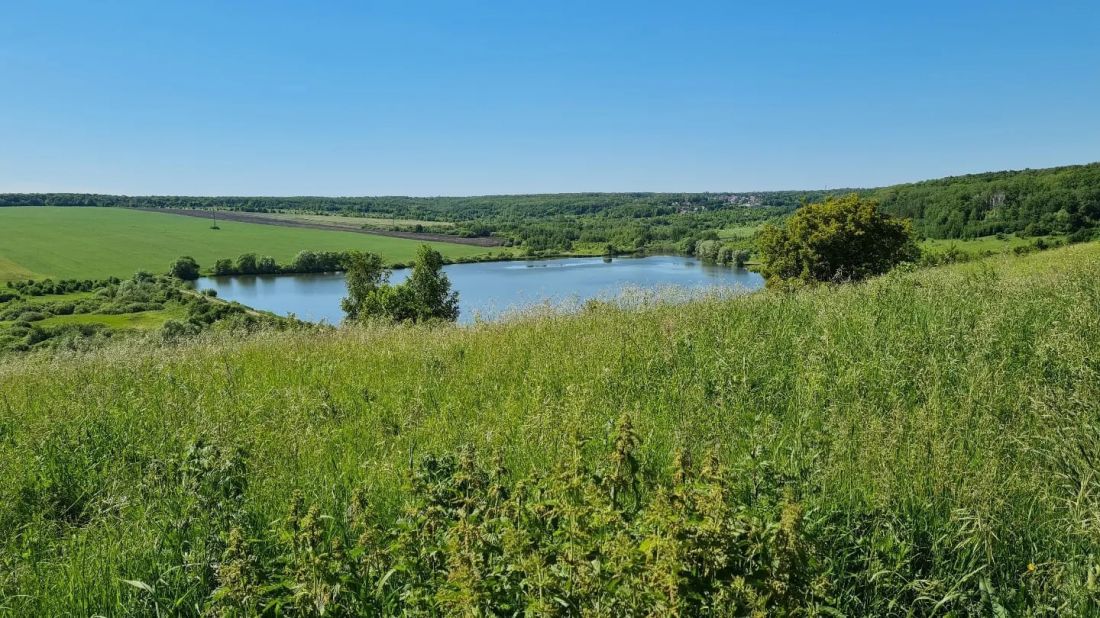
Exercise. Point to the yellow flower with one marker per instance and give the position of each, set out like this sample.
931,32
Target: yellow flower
1031,567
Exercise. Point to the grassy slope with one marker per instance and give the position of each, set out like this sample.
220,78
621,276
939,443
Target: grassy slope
946,415
979,245
142,320
39,242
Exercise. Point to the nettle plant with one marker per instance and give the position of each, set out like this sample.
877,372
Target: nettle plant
606,539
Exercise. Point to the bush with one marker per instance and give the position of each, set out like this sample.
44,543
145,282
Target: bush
175,330
224,266
246,264
184,268
1081,235
840,239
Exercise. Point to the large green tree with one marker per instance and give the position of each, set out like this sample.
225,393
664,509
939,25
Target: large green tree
840,239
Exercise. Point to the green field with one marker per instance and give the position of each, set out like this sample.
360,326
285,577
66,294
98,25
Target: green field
66,242
938,430
739,231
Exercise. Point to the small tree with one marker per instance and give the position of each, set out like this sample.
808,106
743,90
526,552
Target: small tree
425,295
740,257
267,265
365,275
430,289
224,266
185,268
840,239
246,264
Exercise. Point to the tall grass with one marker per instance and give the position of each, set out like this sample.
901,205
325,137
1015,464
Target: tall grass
938,429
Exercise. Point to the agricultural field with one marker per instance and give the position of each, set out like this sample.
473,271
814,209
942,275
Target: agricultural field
347,221
923,443
74,242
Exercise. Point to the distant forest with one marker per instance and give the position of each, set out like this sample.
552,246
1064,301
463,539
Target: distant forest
1061,200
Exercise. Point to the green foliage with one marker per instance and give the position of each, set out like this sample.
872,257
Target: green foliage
840,239
471,540
364,275
429,288
184,268
425,296
1060,200
224,266
246,264
83,314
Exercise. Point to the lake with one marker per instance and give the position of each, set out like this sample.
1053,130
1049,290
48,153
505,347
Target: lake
490,289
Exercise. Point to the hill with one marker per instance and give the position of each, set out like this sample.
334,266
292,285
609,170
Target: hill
926,440
1060,200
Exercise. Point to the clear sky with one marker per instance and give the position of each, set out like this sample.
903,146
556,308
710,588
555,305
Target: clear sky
459,98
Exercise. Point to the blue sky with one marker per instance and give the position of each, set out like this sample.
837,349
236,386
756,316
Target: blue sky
463,98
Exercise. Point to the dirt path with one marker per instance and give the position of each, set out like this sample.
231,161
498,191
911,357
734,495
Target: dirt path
263,219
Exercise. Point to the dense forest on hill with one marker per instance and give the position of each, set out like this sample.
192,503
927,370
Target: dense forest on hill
1059,200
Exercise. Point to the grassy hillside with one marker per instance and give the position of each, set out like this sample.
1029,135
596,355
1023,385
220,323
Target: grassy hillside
57,242
938,431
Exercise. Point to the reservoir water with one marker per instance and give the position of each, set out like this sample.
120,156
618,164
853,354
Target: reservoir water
490,289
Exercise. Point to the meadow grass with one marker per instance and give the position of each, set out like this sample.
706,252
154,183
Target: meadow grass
974,246
92,243
142,320
739,231
938,428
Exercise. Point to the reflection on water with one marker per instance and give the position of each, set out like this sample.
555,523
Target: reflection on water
490,289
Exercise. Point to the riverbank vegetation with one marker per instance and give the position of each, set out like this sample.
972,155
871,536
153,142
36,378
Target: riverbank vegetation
424,297
82,314
920,443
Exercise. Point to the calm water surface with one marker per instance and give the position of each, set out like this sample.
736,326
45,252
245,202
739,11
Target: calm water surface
490,289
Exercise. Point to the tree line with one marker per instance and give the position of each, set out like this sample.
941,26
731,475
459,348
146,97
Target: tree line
425,296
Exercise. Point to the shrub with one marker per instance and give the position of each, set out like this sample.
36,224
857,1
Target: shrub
246,264
174,330
840,239
224,266
184,268
605,538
